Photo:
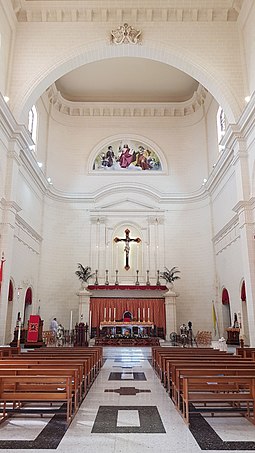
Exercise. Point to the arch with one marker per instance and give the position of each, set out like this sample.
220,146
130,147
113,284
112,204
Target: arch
225,297
226,314
28,305
244,332
178,57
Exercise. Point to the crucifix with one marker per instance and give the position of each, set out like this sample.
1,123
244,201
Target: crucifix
127,240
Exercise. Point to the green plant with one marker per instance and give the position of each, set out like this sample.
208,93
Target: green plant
170,274
84,273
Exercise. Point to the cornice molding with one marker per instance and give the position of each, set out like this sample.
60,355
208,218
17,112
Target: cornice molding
127,109
13,131
21,223
90,11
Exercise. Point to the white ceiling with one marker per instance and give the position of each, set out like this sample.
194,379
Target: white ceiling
126,79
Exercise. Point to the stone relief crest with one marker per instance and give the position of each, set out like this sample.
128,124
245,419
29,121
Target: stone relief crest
125,34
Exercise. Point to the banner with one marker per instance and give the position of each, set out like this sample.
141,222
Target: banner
33,328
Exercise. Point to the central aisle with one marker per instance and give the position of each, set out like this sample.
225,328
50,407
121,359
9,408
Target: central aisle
127,410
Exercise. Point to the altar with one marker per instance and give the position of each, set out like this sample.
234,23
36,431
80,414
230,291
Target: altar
130,328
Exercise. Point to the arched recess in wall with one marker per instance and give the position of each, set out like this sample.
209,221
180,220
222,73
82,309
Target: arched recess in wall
28,305
8,329
226,314
244,316
178,57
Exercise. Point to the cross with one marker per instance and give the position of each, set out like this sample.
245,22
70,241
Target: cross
127,240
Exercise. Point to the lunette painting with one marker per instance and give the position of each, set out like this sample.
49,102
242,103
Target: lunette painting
127,155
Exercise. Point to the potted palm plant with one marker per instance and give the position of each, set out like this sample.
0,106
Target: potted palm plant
169,275
84,274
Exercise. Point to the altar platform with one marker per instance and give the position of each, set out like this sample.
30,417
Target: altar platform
129,341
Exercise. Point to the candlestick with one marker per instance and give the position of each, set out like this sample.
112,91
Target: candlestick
137,281
116,281
96,280
110,314
106,278
104,313
114,314
148,279
138,314
158,281
117,255
148,313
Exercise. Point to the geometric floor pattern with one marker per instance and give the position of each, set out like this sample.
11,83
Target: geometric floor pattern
127,418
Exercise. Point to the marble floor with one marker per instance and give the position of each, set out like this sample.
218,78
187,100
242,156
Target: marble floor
127,411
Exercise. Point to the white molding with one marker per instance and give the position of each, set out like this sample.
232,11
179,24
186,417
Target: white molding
21,223
127,109
90,11
11,129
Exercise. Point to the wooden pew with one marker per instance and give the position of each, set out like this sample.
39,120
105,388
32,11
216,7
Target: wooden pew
27,389
217,370
219,390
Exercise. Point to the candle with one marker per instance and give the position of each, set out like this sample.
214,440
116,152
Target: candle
71,320
138,313
117,253
114,316
148,313
104,313
110,314
19,331
143,314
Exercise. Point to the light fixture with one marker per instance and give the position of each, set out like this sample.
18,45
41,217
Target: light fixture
6,98
247,99
49,180
39,164
32,147
205,180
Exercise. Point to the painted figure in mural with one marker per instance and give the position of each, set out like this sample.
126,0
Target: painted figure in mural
126,157
142,158
110,157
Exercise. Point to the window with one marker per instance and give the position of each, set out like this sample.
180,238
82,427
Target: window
32,123
221,123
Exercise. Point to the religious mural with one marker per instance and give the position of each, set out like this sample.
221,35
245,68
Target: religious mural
127,155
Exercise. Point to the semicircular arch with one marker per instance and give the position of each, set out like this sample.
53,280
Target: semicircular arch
180,58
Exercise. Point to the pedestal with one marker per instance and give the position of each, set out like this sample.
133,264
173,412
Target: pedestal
170,307
233,336
84,302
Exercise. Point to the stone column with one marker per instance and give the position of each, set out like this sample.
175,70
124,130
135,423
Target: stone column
170,307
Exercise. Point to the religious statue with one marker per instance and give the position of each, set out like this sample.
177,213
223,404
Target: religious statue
127,240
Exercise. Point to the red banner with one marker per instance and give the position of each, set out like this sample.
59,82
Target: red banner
33,328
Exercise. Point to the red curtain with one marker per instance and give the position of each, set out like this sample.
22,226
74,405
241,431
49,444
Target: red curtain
101,305
243,292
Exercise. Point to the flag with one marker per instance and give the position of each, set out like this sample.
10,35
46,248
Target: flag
1,270
214,319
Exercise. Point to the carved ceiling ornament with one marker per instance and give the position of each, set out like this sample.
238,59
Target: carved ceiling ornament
125,34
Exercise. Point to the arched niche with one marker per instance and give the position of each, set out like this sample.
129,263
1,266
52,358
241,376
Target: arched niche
244,315
226,314
28,305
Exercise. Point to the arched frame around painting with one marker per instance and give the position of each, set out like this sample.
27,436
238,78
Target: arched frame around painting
127,154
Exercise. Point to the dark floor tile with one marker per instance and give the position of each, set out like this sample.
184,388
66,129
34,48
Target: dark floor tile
106,420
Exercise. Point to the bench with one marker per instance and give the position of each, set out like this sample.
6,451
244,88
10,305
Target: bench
17,390
219,390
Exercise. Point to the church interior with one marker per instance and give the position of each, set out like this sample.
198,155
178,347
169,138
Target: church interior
127,225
